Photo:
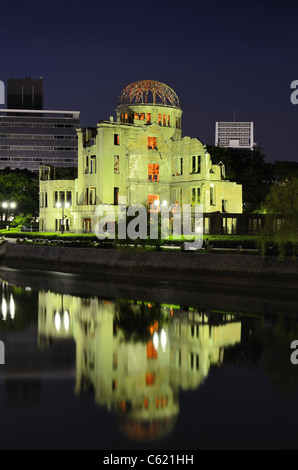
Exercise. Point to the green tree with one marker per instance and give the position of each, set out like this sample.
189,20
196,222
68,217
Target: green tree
21,187
281,206
248,168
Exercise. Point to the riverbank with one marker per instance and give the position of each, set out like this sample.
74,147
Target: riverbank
240,269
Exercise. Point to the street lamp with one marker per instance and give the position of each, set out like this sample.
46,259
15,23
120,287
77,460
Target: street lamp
7,206
63,206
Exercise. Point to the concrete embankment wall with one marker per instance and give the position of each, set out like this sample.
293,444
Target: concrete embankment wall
244,268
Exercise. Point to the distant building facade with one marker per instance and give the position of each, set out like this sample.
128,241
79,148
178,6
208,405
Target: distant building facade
142,157
31,136
25,93
39,137
234,135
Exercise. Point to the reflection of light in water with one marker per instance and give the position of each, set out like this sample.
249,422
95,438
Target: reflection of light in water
11,306
66,320
155,340
57,321
4,308
163,339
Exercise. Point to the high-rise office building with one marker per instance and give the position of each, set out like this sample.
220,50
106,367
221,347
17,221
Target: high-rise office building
234,134
25,93
31,136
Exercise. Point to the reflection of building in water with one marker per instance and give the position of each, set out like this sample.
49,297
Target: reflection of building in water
139,380
196,344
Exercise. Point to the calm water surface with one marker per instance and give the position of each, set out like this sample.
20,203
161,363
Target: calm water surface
98,364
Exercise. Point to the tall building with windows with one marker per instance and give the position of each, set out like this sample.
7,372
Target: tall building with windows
25,93
234,134
141,156
31,136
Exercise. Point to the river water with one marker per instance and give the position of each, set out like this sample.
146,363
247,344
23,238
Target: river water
106,364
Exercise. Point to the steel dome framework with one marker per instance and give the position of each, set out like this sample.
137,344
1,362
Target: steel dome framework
149,92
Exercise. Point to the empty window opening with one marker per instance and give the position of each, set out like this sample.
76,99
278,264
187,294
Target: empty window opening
212,199
116,196
116,165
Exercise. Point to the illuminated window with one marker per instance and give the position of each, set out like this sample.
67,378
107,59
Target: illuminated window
151,200
159,119
146,403
148,118
136,116
164,119
116,139
153,172
150,379
169,120
151,351
125,117
142,116
116,165
151,143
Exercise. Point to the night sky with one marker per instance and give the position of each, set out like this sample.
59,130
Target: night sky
217,55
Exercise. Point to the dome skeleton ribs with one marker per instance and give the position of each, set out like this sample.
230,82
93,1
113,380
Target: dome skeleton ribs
138,92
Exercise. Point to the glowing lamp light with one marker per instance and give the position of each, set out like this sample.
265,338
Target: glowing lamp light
4,205
57,321
163,339
13,205
155,340
4,308
58,204
164,203
12,307
67,205
66,320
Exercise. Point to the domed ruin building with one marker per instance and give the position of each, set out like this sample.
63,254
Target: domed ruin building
141,156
